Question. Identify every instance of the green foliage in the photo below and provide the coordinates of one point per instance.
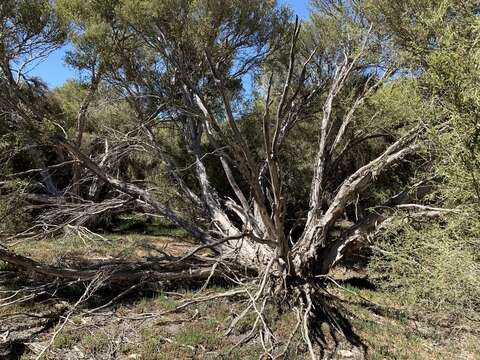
(28, 23)
(14, 215)
(435, 265)
(107, 111)
(453, 75)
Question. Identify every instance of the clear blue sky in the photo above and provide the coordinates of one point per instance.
(54, 71)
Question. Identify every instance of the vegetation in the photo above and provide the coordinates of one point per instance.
(227, 143)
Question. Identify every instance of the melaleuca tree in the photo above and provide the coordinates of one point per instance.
(29, 31)
(91, 42)
(186, 63)
(192, 74)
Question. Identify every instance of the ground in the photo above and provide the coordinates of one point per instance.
(147, 324)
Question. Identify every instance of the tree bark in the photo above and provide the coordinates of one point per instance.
(81, 124)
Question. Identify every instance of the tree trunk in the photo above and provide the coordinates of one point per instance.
(81, 125)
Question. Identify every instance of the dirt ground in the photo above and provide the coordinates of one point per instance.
(185, 321)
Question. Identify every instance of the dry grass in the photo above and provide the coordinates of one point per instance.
(128, 246)
(135, 328)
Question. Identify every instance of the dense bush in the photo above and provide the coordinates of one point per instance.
(435, 267)
(437, 264)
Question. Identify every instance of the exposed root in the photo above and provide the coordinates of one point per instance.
(312, 306)
(306, 317)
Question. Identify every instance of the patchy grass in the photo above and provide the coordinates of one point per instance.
(67, 249)
(96, 343)
(134, 237)
(139, 328)
(203, 334)
(159, 302)
(152, 346)
(68, 338)
(392, 331)
(198, 332)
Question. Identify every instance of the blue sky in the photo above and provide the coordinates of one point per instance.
(299, 6)
(54, 71)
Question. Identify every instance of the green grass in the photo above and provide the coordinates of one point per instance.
(388, 336)
(126, 246)
(95, 343)
(160, 302)
(165, 302)
(153, 347)
(155, 227)
(198, 335)
(67, 338)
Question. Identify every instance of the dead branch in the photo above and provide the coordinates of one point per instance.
(162, 269)
(90, 289)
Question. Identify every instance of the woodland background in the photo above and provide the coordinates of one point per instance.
(76, 162)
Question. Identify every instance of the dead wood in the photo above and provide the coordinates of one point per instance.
(120, 272)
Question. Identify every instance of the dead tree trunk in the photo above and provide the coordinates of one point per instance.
(249, 229)
(256, 232)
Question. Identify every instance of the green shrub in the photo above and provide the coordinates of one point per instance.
(14, 215)
(435, 267)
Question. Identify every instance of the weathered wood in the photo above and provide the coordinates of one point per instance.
(122, 272)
